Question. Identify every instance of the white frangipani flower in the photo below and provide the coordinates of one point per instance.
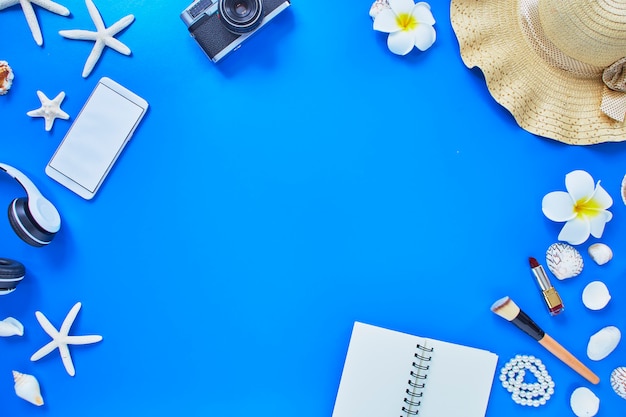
(408, 24)
(583, 207)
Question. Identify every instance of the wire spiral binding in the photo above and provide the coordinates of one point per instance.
(417, 381)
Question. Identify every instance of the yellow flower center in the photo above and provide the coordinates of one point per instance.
(406, 22)
(585, 208)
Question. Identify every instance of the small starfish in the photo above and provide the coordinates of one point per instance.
(61, 340)
(31, 17)
(50, 109)
(103, 36)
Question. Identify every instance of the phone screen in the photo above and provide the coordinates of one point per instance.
(96, 137)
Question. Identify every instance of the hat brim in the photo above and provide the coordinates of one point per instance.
(544, 100)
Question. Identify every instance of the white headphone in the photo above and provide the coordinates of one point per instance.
(33, 218)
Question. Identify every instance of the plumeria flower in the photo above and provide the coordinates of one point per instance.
(407, 24)
(583, 207)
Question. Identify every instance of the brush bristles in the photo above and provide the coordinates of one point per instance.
(505, 308)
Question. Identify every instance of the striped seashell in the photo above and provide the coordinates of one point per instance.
(618, 381)
(564, 260)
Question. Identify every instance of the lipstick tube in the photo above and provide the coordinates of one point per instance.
(550, 296)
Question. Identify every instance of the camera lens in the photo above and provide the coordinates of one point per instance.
(241, 16)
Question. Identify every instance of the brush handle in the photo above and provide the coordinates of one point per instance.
(570, 360)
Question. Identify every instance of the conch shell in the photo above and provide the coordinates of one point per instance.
(27, 388)
(11, 327)
(6, 77)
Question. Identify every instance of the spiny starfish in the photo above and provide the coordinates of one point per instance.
(103, 36)
(50, 109)
(31, 17)
(61, 339)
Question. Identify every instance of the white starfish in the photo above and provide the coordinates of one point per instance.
(31, 17)
(50, 109)
(61, 340)
(103, 36)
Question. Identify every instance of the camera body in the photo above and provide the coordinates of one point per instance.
(221, 26)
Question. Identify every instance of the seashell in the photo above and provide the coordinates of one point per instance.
(27, 388)
(584, 402)
(596, 295)
(600, 253)
(378, 6)
(603, 343)
(6, 77)
(618, 381)
(11, 327)
(564, 260)
(624, 189)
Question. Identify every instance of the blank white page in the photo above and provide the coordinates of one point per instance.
(377, 370)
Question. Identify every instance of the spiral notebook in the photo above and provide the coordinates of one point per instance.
(391, 374)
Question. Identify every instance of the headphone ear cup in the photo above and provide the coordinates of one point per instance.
(25, 225)
(11, 273)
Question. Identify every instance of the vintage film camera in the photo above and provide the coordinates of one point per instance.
(220, 26)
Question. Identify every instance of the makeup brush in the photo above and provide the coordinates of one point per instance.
(507, 309)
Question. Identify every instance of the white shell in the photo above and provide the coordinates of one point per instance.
(564, 260)
(596, 295)
(624, 189)
(6, 77)
(603, 343)
(618, 381)
(600, 253)
(27, 388)
(378, 6)
(584, 402)
(11, 327)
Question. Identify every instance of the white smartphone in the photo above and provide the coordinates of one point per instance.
(96, 138)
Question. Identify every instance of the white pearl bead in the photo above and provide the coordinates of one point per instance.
(524, 393)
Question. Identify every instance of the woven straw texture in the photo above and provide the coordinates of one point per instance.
(543, 97)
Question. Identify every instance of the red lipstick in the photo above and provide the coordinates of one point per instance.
(550, 296)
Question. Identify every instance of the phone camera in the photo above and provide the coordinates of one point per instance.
(241, 16)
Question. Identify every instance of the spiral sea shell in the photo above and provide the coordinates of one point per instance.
(618, 381)
(564, 260)
(27, 388)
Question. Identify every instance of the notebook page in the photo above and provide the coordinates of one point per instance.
(375, 373)
(459, 381)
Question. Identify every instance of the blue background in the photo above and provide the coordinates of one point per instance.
(264, 204)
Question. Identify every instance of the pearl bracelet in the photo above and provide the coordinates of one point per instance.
(531, 394)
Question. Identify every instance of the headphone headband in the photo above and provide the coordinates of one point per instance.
(24, 181)
(44, 215)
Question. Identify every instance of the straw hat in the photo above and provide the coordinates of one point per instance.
(559, 66)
